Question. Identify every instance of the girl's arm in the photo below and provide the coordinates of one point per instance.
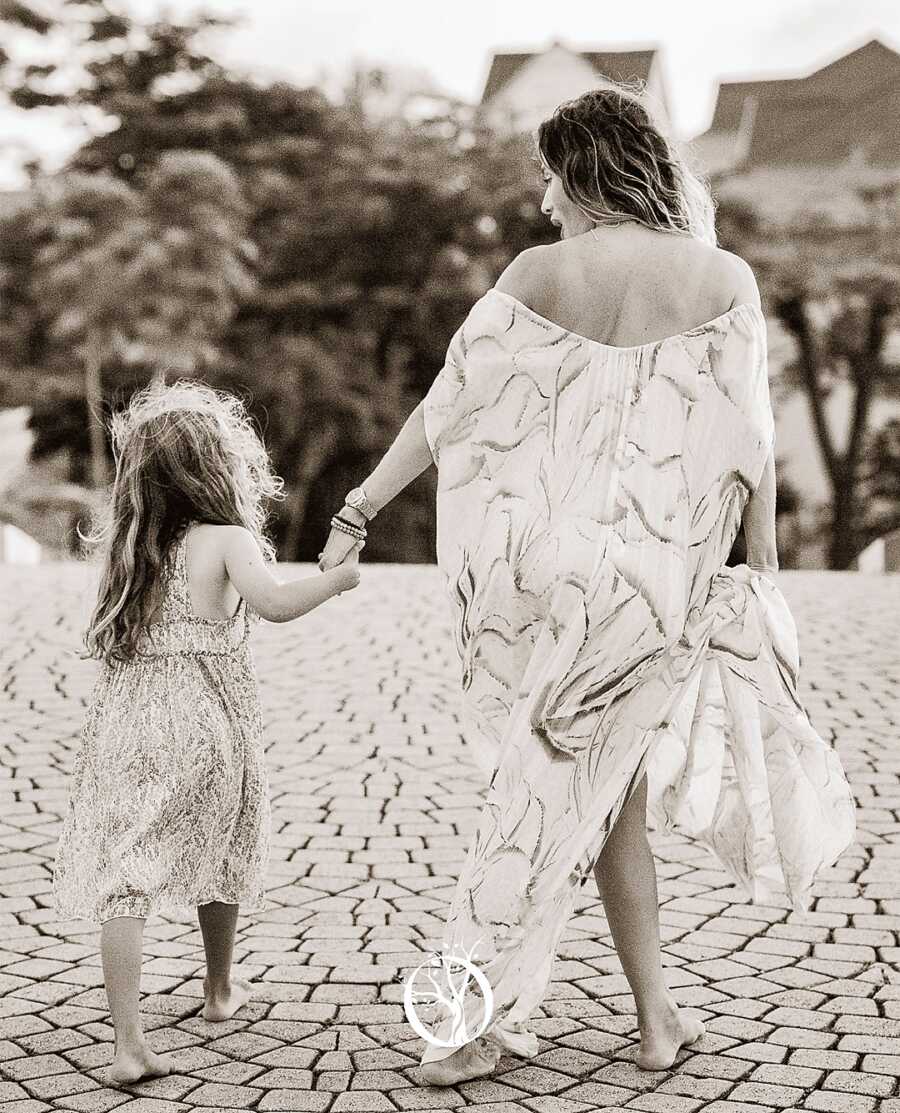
(275, 601)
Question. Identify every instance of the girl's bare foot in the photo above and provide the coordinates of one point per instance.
(665, 1036)
(135, 1063)
(223, 1006)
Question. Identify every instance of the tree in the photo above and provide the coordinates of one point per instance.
(109, 58)
(139, 277)
(881, 481)
(827, 251)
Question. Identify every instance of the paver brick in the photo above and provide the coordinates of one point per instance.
(826, 1060)
(704, 1089)
(665, 1103)
(759, 1052)
(788, 1075)
(56, 1086)
(799, 1018)
(803, 1037)
(726, 1106)
(764, 1093)
(36, 1066)
(825, 1102)
(598, 1095)
(857, 1082)
(875, 1045)
(303, 1101)
(716, 1066)
(95, 1101)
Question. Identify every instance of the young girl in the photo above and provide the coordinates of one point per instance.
(169, 801)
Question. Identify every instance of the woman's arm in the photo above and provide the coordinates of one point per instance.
(403, 462)
(759, 522)
(278, 602)
(759, 512)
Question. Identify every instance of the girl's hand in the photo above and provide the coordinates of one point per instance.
(339, 547)
(348, 574)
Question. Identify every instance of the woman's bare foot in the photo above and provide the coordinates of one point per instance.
(132, 1064)
(473, 1060)
(223, 1006)
(665, 1036)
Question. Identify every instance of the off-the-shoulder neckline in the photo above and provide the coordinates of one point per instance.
(742, 307)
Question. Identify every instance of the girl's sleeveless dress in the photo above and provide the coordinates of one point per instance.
(169, 802)
(588, 498)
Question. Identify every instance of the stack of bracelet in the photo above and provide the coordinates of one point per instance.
(346, 526)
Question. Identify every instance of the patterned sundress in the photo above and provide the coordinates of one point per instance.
(588, 498)
(169, 804)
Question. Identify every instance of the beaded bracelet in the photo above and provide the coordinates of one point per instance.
(353, 531)
(341, 518)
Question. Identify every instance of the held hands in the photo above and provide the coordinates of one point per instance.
(341, 552)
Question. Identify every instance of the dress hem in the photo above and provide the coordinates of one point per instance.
(180, 909)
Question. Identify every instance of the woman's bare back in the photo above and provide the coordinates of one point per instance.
(629, 285)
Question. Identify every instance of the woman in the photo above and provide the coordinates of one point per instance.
(598, 450)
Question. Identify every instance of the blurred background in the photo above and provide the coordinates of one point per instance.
(301, 202)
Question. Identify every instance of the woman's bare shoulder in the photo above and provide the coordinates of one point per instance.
(531, 275)
(739, 277)
(536, 275)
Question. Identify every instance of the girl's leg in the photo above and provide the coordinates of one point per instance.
(626, 879)
(224, 995)
(121, 942)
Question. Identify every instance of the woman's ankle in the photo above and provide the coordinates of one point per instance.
(216, 988)
(129, 1042)
(660, 1008)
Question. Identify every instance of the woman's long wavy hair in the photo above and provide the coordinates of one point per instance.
(184, 453)
(615, 163)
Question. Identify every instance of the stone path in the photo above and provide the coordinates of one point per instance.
(374, 800)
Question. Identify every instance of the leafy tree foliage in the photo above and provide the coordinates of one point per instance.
(371, 236)
(827, 250)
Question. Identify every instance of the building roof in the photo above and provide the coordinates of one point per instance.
(619, 65)
(852, 102)
(829, 129)
(733, 94)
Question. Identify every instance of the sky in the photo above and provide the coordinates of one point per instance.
(305, 41)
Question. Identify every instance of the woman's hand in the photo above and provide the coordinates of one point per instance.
(339, 547)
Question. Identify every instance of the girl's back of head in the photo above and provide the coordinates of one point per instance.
(184, 453)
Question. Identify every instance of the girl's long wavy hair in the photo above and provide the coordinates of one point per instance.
(615, 163)
(184, 453)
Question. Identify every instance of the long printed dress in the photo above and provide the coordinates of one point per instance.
(588, 498)
(168, 804)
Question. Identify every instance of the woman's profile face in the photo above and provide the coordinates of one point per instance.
(563, 213)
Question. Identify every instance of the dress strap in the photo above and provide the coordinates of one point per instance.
(178, 582)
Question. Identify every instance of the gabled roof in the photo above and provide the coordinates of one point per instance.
(851, 103)
(829, 129)
(733, 94)
(619, 65)
(866, 67)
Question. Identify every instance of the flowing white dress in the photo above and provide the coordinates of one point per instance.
(588, 498)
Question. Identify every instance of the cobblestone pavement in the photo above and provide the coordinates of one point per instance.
(374, 801)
